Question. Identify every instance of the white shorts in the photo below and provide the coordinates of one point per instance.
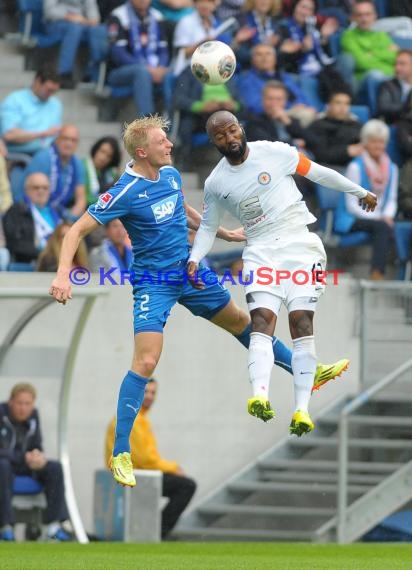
(291, 267)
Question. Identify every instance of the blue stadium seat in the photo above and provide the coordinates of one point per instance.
(362, 112)
(26, 485)
(381, 8)
(328, 201)
(31, 24)
(20, 266)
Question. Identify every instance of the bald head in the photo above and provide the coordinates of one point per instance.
(228, 136)
(37, 188)
(220, 119)
(67, 141)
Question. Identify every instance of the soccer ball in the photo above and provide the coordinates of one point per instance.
(213, 63)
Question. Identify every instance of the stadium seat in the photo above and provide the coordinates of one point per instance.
(31, 25)
(403, 242)
(328, 201)
(361, 112)
(20, 266)
(381, 8)
(28, 504)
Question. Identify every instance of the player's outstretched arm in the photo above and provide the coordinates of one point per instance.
(332, 179)
(60, 288)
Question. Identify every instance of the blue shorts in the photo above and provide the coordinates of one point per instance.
(154, 298)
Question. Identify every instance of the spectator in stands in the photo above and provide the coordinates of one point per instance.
(194, 29)
(173, 10)
(404, 129)
(375, 172)
(139, 54)
(373, 53)
(49, 258)
(29, 224)
(305, 50)
(115, 250)
(101, 168)
(73, 22)
(403, 223)
(334, 138)
(275, 124)
(250, 83)
(21, 453)
(196, 102)
(177, 487)
(259, 23)
(65, 172)
(5, 203)
(31, 118)
(399, 8)
(393, 93)
(6, 199)
(303, 47)
(229, 9)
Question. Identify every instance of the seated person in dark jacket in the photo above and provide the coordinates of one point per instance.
(404, 130)
(275, 124)
(393, 93)
(399, 8)
(196, 102)
(27, 225)
(334, 139)
(21, 453)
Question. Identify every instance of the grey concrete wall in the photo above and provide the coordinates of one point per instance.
(200, 417)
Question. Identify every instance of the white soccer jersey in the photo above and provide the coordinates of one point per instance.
(260, 192)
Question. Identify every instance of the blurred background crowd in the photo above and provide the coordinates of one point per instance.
(331, 77)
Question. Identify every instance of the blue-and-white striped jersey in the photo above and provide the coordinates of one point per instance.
(152, 211)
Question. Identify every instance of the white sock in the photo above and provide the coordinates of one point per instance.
(304, 368)
(260, 363)
(52, 528)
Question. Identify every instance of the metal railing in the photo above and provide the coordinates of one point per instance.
(343, 443)
(366, 288)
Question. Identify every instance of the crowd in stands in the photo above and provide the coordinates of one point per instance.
(311, 73)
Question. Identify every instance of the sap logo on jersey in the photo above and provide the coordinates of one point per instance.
(164, 209)
(104, 199)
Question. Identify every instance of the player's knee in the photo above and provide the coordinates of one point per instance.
(144, 365)
(301, 324)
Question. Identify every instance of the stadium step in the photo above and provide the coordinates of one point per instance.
(371, 420)
(368, 443)
(310, 477)
(326, 465)
(244, 487)
(214, 510)
(215, 533)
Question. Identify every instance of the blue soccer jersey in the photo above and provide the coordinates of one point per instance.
(153, 213)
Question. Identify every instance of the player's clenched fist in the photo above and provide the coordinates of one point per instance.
(369, 202)
(61, 290)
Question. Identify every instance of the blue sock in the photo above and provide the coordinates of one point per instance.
(282, 354)
(131, 396)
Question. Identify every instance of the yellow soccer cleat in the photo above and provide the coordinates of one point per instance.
(122, 469)
(326, 372)
(260, 408)
(301, 423)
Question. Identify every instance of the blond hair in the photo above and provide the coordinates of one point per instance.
(23, 387)
(135, 133)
